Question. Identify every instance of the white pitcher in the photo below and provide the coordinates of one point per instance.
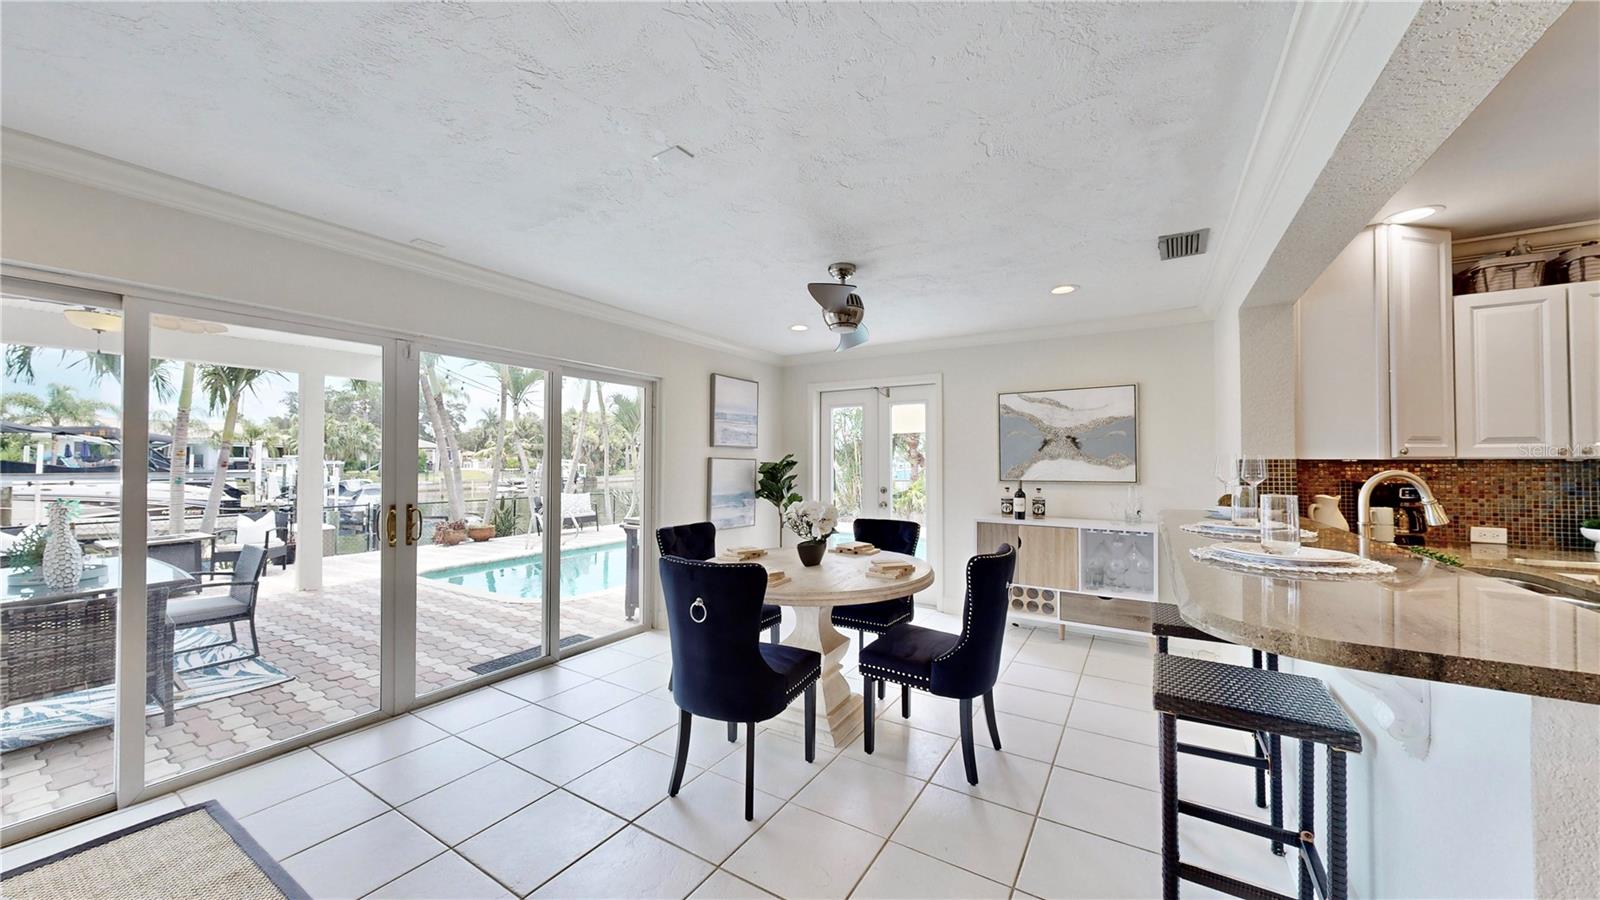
(63, 558)
(1325, 510)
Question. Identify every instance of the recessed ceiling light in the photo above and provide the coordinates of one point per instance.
(1063, 289)
(1407, 216)
(798, 327)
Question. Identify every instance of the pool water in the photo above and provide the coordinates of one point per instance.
(584, 570)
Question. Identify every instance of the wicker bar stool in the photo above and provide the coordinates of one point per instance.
(1255, 700)
(1267, 761)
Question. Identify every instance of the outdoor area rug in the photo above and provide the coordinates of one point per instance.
(37, 721)
(199, 851)
(534, 652)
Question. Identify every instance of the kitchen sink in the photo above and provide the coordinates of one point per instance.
(1538, 585)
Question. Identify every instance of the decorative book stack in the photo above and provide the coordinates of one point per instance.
(741, 554)
(855, 548)
(891, 570)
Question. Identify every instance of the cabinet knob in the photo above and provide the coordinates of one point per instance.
(1404, 450)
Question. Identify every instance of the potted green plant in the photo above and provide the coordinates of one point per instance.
(450, 533)
(505, 520)
(479, 530)
(775, 484)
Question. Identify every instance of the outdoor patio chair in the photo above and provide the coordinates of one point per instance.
(252, 531)
(579, 510)
(230, 607)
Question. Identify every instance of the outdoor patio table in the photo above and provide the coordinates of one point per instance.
(811, 593)
(27, 602)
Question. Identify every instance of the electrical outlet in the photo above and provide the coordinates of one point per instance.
(1484, 535)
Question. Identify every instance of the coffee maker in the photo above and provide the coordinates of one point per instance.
(1410, 524)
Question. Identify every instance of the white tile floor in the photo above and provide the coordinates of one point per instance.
(554, 784)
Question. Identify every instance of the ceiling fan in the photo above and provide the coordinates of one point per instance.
(842, 310)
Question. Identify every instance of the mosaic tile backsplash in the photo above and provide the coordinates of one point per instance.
(1538, 502)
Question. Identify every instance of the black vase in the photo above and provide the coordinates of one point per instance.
(811, 552)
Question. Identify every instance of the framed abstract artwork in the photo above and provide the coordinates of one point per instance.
(735, 416)
(1072, 434)
(731, 493)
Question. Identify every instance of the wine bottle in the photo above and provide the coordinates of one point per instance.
(1019, 503)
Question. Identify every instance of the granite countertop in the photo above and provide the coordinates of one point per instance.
(1426, 620)
(1577, 575)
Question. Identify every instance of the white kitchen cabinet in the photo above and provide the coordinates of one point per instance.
(1421, 352)
(1375, 350)
(1583, 354)
(1511, 374)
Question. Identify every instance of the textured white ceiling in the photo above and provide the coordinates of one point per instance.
(1529, 155)
(967, 156)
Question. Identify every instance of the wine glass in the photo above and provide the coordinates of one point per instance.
(1253, 470)
(1225, 470)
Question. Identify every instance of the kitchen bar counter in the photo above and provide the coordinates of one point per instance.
(1575, 573)
(1426, 621)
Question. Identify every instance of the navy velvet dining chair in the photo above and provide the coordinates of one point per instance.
(721, 670)
(895, 536)
(698, 540)
(959, 666)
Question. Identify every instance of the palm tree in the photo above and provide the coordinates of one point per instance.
(578, 434)
(629, 420)
(444, 438)
(496, 462)
(521, 385)
(605, 452)
(224, 386)
(178, 454)
(59, 406)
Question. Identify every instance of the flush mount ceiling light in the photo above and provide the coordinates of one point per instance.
(96, 320)
(1063, 289)
(799, 327)
(187, 326)
(1407, 216)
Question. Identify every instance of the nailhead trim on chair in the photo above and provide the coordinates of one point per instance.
(966, 607)
(890, 674)
(862, 625)
(809, 681)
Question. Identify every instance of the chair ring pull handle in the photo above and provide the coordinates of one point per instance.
(697, 604)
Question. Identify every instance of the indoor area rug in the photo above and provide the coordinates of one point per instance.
(218, 675)
(198, 851)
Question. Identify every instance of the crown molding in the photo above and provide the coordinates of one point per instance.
(74, 164)
(1169, 318)
(1325, 40)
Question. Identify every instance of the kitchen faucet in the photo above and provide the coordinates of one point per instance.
(1432, 511)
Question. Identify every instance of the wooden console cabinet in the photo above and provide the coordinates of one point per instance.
(1079, 571)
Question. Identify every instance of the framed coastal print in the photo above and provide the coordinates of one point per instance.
(1073, 434)
(731, 493)
(735, 416)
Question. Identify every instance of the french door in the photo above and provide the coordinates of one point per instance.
(317, 529)
(876, 455)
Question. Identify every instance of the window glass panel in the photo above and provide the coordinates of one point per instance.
(264, 449)
(602, 506)
(908, 465)
(480, 464)
(60, 456)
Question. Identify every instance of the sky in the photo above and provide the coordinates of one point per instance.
(270, 397)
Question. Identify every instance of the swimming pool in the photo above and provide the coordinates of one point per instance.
(584, 570)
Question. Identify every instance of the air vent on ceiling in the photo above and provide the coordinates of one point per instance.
(1188, 243)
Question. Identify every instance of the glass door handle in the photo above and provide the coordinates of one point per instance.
(391, 525)
(413, 524)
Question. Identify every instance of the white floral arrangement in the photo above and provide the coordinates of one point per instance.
(812, 520)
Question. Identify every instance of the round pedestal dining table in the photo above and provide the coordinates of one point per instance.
(811, 593)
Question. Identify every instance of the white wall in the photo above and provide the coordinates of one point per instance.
(70, 227)
(1172, 367)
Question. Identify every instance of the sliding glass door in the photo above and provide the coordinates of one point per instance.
(317, 529)
(60, 461)
(603, 500)
(524, 527)
(479, 525)
(265, 496)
